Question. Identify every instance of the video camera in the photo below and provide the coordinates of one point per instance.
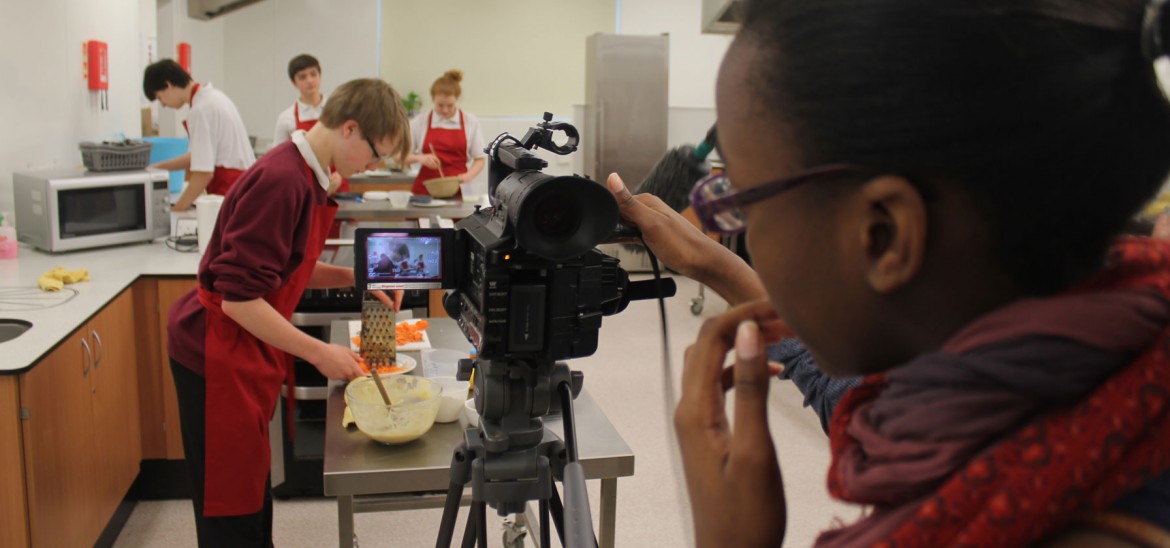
(528, 289)
(528, 283)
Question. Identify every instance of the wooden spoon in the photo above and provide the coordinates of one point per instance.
(378, 383)
(440, 161)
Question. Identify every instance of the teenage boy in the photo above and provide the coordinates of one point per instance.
(229, 339)
(305, 73)
(219, 150)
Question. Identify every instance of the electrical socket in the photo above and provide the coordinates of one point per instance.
(186, 227)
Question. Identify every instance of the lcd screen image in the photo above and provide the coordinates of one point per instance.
(392, 257)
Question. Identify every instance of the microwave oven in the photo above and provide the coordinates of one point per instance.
(70, 209)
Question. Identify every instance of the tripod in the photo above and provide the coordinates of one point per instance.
(511, 458)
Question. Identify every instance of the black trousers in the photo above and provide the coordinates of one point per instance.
(251, 530)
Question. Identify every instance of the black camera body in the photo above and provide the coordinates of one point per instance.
(527, 283)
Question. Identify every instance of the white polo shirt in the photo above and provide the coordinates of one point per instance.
(475, 144)
(286, 122)
(302, 143)
(217, 133)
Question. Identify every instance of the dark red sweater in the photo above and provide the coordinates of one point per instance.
(259, 241)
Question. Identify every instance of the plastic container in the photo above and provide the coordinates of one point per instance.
(441, 362)
(121, 156)
(8, 244)
(451, 402)
(414, 402)
(166, 148)
(206, 212)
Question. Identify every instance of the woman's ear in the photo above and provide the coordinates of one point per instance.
(893, 233)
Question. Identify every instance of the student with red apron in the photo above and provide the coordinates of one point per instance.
(219, 150)
(304, 72)
(446, 137)
(229, 340)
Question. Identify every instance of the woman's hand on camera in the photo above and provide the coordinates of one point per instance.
(337, 363)
(681, 246)
(677, 243)
(732, 473)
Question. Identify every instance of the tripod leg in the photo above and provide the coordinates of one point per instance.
(469, 531)
(480, 509)
(450, 514)
(558, 513)
(545, 535)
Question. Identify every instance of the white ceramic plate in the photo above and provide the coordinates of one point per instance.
(355, 329)
(406, 362)
(434, 203)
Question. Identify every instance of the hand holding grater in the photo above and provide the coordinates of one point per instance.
(379, 333)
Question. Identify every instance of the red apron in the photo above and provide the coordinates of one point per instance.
(306, 125)
(244, 376)
(223, 177)
(450, 146)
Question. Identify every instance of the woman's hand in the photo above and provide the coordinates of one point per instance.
(337, 363)
(464, 177)
(394, 300)
(430, 160)
(684, 248)
(733, 477)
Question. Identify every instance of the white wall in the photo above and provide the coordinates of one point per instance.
(694, 57)
(46, 107)
(260, 40)
(207, 48)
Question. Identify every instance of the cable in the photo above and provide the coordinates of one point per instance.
(183, 244)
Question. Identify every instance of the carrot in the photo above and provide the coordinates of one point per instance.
(357, 340)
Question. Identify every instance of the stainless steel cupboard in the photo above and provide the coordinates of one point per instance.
(626, 96)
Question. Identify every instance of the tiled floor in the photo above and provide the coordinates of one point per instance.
(625, 377)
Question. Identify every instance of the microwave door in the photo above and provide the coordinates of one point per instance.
(101, 210)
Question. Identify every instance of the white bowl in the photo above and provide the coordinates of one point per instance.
(452, 398)
(370, 195)
(471, 413)
(399, 198)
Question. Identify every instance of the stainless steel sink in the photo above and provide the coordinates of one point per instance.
(11, 329)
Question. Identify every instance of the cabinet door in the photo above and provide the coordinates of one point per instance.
(60, 475)
(114, 382)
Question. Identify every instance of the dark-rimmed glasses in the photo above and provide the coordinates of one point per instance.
(720, 207)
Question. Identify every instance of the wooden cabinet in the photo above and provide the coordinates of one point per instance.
(13, 504)
(159, 406)
(59, 466)
(80, 429)
(114, 383)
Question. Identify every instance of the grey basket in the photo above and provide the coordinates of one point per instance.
(125, 156)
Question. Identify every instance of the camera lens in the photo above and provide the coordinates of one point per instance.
(557, 216)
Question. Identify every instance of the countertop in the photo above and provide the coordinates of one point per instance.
(111, 270)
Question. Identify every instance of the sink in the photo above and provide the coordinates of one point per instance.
(11, 329)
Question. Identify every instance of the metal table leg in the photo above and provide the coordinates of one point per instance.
(608, 512)
(345, 534)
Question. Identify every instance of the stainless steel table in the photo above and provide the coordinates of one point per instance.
(381, 209)
(367, 476)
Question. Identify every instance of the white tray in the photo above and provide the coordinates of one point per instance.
(355, 329)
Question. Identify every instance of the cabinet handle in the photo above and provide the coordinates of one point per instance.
(89, 357)
(101, 349)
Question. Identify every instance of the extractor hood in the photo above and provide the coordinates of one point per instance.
(722, 16)
(205, 10)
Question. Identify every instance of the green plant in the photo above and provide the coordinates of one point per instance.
(412, 102)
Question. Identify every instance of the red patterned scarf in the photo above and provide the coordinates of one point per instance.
(1032, 414)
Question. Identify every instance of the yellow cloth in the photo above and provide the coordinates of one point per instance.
(1157, 207)
(55, 279)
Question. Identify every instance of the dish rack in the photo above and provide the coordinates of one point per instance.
(115, 156)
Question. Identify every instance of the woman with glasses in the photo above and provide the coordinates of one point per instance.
(933, 194)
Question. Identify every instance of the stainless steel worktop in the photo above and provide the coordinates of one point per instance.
(356, 465)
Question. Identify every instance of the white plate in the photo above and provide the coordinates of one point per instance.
(355, 329)
(434, 203)
(404, 361)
